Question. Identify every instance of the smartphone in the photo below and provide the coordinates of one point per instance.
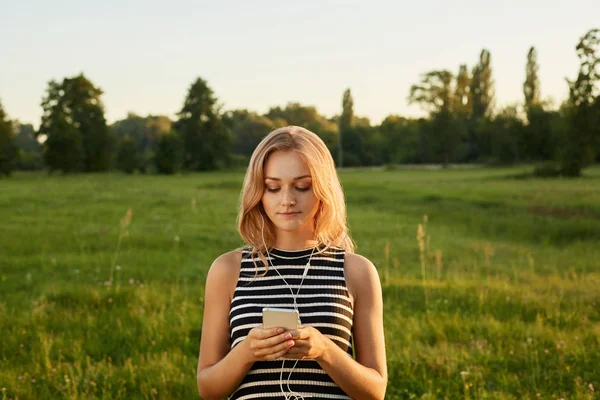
(281, 318)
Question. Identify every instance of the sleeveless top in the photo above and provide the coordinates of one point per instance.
(323, 302)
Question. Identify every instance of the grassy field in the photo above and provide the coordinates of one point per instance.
(498, 298)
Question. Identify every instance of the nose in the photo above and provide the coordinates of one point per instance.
(287, 199)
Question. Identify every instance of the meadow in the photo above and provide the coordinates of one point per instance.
(491, 280)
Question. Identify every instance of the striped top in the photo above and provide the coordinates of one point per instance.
(323, 302)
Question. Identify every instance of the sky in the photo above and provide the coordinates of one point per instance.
(254, 55)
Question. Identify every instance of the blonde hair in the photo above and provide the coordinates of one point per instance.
(330, 219)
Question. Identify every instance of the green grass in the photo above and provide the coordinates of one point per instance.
(510, 311)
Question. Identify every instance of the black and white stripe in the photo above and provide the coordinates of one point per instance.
(323, 302)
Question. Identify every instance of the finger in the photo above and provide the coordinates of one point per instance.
(274, 356)
(298, 349)
(301, 333)
(272, 341)
(268, 352)
(260, 333)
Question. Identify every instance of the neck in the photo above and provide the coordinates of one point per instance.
(295, 240)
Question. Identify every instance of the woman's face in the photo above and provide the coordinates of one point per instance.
(289, 199)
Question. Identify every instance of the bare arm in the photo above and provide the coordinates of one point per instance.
(220, 370)
(365, 377)
(215, 357)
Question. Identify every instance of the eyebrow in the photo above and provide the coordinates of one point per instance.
(296, 178)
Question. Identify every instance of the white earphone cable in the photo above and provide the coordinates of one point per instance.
(291, 395)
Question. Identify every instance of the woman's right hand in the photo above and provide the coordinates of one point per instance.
(267, 344)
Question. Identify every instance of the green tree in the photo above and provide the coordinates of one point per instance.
(308, 117)
(205, 138)
(30, 150)
(345, 122)
(537, 141)
(531, 86)
(498, 137)
(295, 114)
(584, 131)
(248, 129)
(8, 148)
(596, 114)
(482, 96)
(434, 93)
(169, 153)
(73, 120)
(145, 133)
(63, 147)
(401, 139)
(354, 143)
(127, 156)
(462, 93)
(375, 151)
(482, 92)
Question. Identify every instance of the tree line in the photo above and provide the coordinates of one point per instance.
(462, 126)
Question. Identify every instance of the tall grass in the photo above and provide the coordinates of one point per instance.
(101, 281)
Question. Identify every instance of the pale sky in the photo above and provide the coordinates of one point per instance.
(258, 54)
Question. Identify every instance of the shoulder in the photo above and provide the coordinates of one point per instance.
(360, 266)
(225, 269)
(361, 275)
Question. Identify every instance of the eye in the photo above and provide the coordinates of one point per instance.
(303, 189)
(272, 190)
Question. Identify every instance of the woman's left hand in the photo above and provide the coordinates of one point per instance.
(309, 344)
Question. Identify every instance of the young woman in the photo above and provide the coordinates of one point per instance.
(299, 256)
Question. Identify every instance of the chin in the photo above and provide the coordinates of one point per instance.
(290, 226)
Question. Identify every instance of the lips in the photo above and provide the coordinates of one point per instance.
(290, 213)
